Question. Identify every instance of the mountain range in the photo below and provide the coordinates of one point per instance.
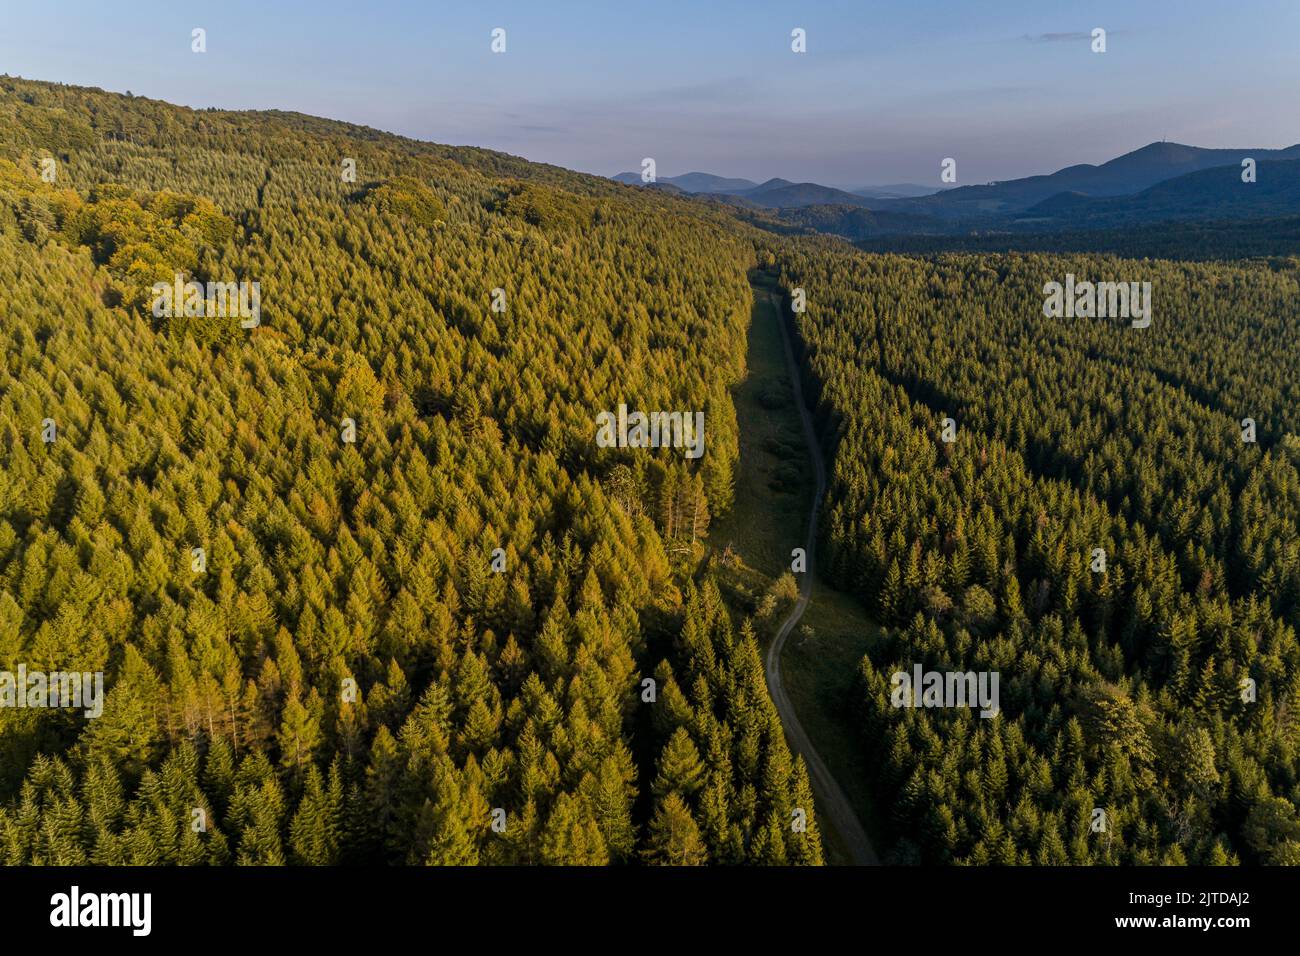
(777, 193)
(1124, 175)
(1158, 182)
(1215, 193)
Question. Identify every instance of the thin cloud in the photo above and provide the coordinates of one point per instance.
(1071, 37)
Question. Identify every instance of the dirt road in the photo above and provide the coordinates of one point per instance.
(834, 804)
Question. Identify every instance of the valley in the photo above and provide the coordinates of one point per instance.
(767, 522)
(450, 607)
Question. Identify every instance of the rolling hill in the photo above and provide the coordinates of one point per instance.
(416, 553)
(1047, 201)
(772, 194)
(1123, 175)
(694, 182)
(1216, 193)
(783, 194)
(897, 191)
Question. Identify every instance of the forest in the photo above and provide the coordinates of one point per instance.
(431, 621)
(365, 588)
(1101, 529)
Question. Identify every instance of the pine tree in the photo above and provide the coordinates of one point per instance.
(674, 838)
(680, 768)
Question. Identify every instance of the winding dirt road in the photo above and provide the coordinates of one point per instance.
(834, 803)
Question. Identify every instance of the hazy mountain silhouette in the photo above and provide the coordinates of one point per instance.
(897, 191)
(694, 182)
(1159, 182)
(783, 194)
(773, 194)
(1123, 175)
(1216, 193)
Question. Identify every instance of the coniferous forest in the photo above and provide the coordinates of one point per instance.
(365, 589)
(394, 640)
(1097, 526)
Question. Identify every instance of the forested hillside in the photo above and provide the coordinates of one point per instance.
(1159, 684)
(365, 587)
(361, 582)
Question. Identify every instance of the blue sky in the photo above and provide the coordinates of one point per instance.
(884, 93)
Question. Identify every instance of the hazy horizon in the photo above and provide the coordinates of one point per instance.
(1011, 92)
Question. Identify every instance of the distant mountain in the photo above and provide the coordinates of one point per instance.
(773, 194)
(897, 191)
(1209, 194)
(694, 182)
(783, 194)
(1123, 175)
(1159, 182)
(770, 186)
(708, 183)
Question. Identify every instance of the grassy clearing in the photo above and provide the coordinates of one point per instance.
(820, 676)
(774, 484)
(774, 479)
